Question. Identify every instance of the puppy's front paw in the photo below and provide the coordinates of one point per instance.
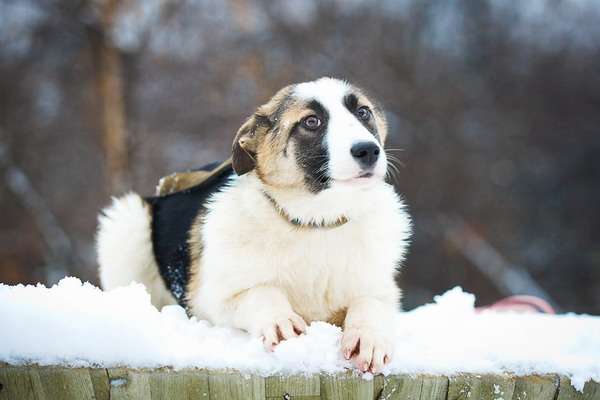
(281, 328)
(371, 349)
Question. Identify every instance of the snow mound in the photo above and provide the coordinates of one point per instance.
(77, 324)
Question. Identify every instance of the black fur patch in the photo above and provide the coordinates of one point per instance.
(172, 219)
(311, 153)
(351, 103)
(208, 167)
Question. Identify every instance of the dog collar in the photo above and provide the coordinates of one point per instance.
(298, 224)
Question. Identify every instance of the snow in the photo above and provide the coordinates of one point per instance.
(77, 324)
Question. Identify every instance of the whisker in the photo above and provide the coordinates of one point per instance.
(395, 159)
(394, 167)
(391, 175)
(322, 169)
(393, 170)
(313, 157)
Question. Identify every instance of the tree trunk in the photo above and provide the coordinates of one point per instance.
(111, 100)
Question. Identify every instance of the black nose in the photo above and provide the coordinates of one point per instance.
(366, 153)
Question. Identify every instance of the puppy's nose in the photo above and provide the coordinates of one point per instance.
(365, 153)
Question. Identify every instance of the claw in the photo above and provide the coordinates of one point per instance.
(282, 329)
(369, 349)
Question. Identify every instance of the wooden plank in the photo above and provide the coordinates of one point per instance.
(128, 384)
(484, 387)
(62, 383)
(346, 387)
(535, 387)
(167, 384)
(401, 387)
(434, 387)
(226, 385)
(42, 383)
(297, 387)
(415, 387)
(591, 390)
(15, 383)
(100, 383)
(378, 381)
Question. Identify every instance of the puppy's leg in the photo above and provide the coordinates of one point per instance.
(265, 311)
(369, 333)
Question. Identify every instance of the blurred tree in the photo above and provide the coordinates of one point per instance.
(110, 90)
(496, 106)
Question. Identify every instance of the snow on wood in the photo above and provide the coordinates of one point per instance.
(78, 325)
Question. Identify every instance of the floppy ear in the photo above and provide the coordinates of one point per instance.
(243, 151)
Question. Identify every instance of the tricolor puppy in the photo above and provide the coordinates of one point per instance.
(298, 226)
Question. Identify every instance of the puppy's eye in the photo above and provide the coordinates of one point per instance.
(363, 113)
(312, 122)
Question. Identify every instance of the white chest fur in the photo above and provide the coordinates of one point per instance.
(247, 244)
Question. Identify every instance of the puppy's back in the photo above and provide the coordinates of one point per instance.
(173, 217)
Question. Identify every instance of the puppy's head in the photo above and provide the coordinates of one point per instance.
(314, 135)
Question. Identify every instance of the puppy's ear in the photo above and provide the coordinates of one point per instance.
(243, 151)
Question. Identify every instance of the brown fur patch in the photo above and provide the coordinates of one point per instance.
(274, 156)
(196, 246)
(243, 150)
(251, 133)
(338, 317)
(262, 141)
(179, 181)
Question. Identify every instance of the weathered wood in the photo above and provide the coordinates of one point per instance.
(15, 383)
(100, 382)
(128, 384)
(535, 387)
(293, 387)
(378, 381)
(566, 391)
(58, 383)
(61, 383)
(484, 387)
(346, 387)
(225, 385)
(166, 384)
(414, 387)
(434, 387)
(396, 387)
(42, 383)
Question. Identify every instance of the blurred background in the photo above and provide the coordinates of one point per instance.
(495, 105)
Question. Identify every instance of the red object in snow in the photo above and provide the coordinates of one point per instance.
(523, 304)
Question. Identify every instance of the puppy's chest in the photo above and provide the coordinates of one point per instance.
(334, 249)
(321, 270)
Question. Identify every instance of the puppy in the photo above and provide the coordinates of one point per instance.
(298, 226)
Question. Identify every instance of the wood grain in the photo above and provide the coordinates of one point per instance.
(62, 383)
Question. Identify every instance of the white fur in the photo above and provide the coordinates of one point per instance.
(343, 129)
(124, 247)
(258, 269)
